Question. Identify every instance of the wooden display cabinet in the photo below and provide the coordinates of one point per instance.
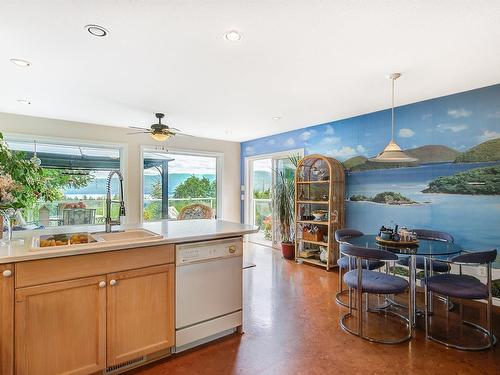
(319, 189)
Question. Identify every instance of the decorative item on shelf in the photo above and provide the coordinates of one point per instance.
(312, 233)
(308, 253)
(324, 197)
(318, 215)
(323, 254)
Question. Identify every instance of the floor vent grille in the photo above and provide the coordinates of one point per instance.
(125, 365)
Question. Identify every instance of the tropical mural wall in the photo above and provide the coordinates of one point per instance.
(454, 186)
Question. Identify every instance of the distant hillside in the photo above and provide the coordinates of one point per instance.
(424, 154)
(98, 186)
(486, 151)
(433, 154)
(354, 162)
(484, 181)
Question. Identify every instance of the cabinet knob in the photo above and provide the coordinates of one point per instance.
(102, 284)
(232, 249)
(112, 282)
(7, 273)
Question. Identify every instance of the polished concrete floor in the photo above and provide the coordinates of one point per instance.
(292, 327)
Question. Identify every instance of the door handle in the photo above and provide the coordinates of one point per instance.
(112, 282)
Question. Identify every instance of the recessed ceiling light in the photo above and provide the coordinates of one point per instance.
(276, 118)
(97, 30)
(20, 62)
(23, 101)
(232, 36)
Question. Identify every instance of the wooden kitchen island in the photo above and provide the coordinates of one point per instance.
(101, 307)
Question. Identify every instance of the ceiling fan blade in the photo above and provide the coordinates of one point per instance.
(182, 134)
(177, 130)
(136, 127)
(139, 133)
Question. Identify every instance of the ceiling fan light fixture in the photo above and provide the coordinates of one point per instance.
(160, 136)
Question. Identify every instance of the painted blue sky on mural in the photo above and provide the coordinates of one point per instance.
(459, 121)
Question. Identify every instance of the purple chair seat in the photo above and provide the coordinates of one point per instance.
(376, 282)
(372, 264)
(437, 266)
(458, 286)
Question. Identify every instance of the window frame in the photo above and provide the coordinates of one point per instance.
(219, 170)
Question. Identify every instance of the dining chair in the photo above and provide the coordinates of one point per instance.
(426, 234)
(343, 262)
(366, 281)
(435, 265)
(464, 287)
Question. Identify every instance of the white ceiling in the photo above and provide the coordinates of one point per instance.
(308, 61)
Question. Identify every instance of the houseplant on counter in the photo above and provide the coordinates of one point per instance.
(22, 183)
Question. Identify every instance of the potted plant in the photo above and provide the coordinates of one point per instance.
(284, 196)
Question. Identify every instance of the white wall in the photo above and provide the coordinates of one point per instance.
(43, 127)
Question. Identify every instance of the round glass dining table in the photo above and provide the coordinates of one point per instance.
(433, 249)
(429, 248)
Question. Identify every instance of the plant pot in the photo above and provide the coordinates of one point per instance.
(288, 250)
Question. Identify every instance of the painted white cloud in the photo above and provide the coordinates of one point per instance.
(329, 130)
(488, 134)
(271, 142)
(250, 150)
(361, 149)
(459, 113)
(342, 153)
(455, 128)
(290, 142)
(305, 136)
(494, 115)
(406, 133)
(330, 140)
(426, 116)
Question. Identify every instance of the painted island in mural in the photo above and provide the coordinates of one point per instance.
(455, 184)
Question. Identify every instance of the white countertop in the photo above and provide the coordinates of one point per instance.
(170, 231)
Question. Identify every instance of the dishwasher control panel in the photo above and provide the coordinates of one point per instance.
(204, 251)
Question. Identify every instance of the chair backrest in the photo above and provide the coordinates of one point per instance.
(366, 252)
(341, 234)
(427, 234)
(195, 211)
(476, 257)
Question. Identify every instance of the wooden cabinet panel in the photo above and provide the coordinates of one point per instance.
(51, 270)
(61, 328)
(6, 319)
(140, 313)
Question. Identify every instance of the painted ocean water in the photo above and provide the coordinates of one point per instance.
(474, 220)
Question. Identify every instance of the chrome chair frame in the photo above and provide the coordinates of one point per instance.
(487, 332)
(383, 311)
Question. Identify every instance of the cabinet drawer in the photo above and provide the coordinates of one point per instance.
(44, 271)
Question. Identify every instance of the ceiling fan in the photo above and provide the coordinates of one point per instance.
(159, 132)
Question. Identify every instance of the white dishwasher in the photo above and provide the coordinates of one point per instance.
(209, 295)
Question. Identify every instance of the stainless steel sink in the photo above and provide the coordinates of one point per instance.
(127, 235)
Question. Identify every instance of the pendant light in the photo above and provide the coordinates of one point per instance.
(392, 153)
(35, 159)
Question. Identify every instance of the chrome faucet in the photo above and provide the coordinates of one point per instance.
(110, 222)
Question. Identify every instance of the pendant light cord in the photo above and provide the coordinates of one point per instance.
(392, 110)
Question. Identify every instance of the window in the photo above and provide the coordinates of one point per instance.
(172, 181)
(79, 174)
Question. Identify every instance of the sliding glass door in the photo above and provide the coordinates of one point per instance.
(261, 176)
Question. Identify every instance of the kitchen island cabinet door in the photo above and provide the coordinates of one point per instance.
(6, 319)
(61, 327)
(140, 313)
